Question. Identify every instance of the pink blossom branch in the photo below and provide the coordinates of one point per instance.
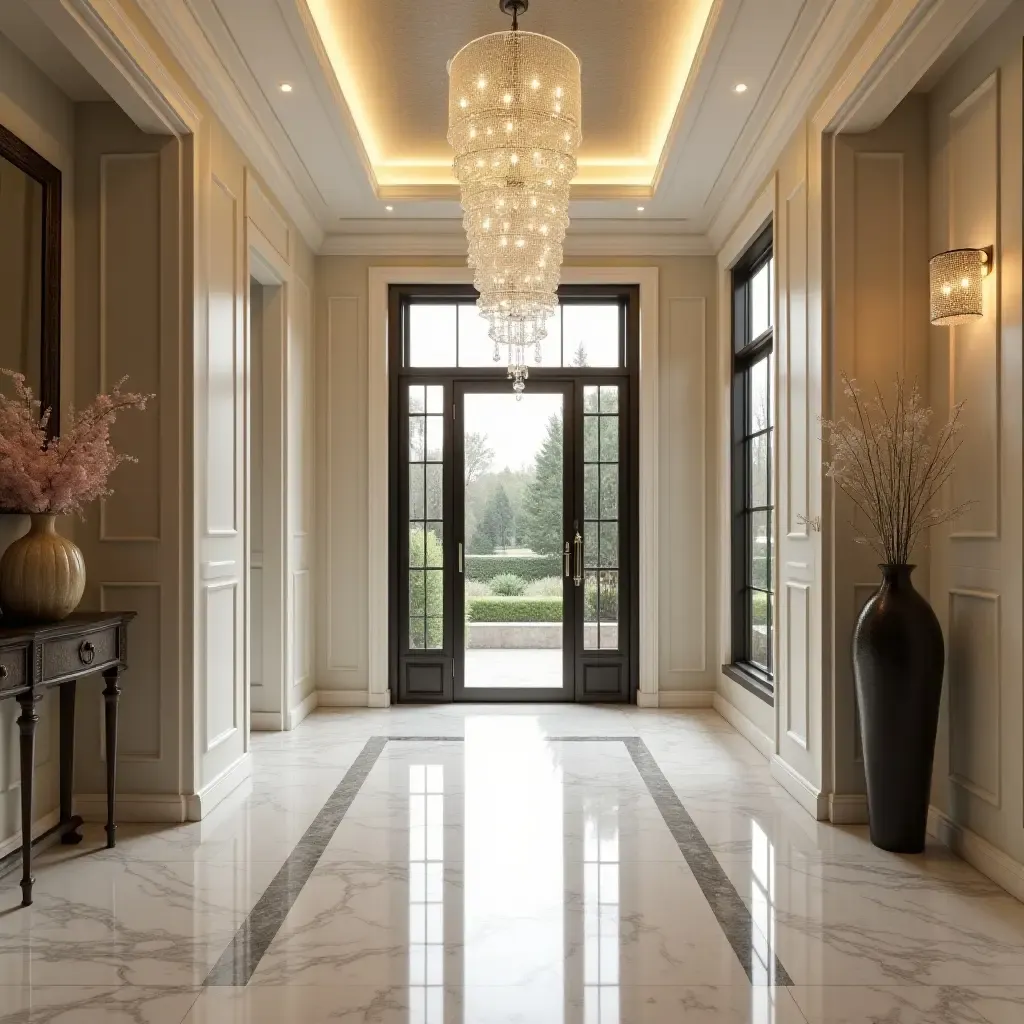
(62, 474)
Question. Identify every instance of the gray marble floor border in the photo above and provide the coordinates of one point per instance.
(239, 961)
(732, 914)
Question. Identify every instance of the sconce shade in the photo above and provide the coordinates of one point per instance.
(955, 278)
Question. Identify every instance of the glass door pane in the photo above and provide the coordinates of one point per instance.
(601, 517)
(422, 609)
(426, 517)
(514, 508)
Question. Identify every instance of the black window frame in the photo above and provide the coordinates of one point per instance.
(747, 352)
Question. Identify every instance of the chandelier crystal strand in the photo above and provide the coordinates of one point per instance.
(514, 113)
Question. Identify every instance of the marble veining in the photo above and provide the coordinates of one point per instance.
(507, 865)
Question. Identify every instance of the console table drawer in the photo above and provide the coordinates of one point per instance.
(13, 668)
(79, 654)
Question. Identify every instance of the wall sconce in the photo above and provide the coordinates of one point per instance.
(956, 278)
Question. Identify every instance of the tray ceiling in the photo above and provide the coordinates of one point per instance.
(360, 133)
(390, 60)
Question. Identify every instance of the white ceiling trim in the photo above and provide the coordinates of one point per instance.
(908, 41)
(701, 70)
(104, 41)
(314, 55)
(842, 22)
(447, 238)
(180, 29)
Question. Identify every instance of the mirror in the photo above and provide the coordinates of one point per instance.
(30, 269)
(21, 273)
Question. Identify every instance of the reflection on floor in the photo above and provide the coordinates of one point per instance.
(522, 669)
(545, 865)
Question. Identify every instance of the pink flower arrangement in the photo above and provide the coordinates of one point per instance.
(59, 474)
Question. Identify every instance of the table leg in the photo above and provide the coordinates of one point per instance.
(27, 727)
(111, 692)
(70, 823)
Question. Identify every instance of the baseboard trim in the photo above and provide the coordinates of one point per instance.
(342, 698)
(265, 721)
(39, 827)
(848, 808)
(811, 799)
(684, 698)
(303, 708)
(162, 808)
(379, 700)
(198, 805)
(978, 852)
(760, 741)
(645, 699)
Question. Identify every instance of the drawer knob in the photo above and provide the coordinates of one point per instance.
(3, 671)
(86, 653)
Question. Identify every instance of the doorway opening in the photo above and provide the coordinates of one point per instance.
(513, 555)
(266, 555)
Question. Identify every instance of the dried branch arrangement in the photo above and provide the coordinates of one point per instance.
(885, 461)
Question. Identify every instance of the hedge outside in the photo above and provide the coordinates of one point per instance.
(514, 609)
(483, 568)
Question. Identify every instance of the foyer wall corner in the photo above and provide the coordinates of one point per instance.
(37, 112)
(976, 563)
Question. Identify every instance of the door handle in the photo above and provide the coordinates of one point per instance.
(567, 559)
(460, 556)
(578, 545)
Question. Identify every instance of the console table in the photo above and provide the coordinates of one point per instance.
(35, 658)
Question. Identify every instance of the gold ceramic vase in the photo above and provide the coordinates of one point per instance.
(42, 575)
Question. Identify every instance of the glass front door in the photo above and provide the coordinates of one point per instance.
(514, 591)
(513, 520)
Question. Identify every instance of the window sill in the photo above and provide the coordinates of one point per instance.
(750, 678)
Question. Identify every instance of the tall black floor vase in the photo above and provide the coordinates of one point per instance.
(898, 659)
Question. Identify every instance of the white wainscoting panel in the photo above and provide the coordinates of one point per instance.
(684, 576)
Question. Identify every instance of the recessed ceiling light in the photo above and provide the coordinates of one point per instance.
(640, 209)
(389, 208)
(740, 87)
(285, 87)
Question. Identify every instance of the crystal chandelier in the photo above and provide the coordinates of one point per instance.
(514, 105)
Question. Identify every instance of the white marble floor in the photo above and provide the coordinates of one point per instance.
(505, 875)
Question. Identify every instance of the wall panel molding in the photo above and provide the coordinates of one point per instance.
(975, 687)
(798, 631)
(129, 296)
(221, 505)
(684, 377)
(140, 733)
(797, 408)
(974, 375)
(345, 612)
(220, 656)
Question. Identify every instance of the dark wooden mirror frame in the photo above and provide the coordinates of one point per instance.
(26, 159)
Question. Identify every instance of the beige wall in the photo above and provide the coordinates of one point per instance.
(39, 114)
(163, 265)
(687, 326)
(880, 330)
(976, 578)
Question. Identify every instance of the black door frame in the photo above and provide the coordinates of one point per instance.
(442, 662)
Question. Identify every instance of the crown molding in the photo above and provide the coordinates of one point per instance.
(901, 48)
(104, 40)
(594, 238)
(754, 164)
(181, 30)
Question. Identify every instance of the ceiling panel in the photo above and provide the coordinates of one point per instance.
(391, 58)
